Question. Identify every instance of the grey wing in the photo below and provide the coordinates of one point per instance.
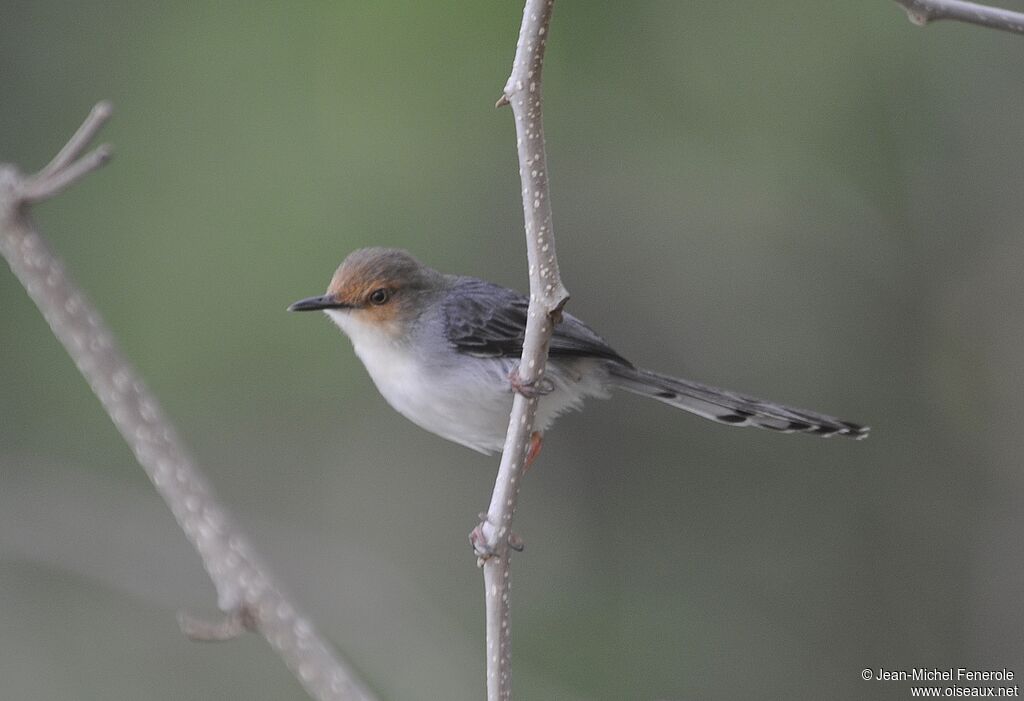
(489, 321)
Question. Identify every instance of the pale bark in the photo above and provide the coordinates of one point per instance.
(924, 11)
(547, 297)
(248, 595)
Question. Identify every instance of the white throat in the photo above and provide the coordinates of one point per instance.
(393, 368)
(367, 338)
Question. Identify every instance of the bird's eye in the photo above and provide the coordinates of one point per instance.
(379, 296)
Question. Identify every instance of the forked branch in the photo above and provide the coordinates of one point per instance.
(547, 297)
(924, 11)
(247, 593)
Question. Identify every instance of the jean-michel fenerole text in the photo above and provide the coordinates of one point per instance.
(923, 674)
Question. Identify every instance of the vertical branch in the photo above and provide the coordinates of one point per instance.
(924, 11)
(547, 297)
(246, 591)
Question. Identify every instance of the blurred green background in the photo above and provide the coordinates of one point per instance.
(813, 202)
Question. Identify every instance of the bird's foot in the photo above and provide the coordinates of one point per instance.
(530, 390)
(485, 552)
(478, 540)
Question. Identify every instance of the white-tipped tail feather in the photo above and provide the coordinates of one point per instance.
(729, 407)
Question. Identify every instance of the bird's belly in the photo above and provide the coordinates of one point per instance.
(468, 404)
(467, 401)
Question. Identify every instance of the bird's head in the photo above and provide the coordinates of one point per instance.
(376, 288)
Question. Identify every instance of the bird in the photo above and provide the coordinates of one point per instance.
(443, 351)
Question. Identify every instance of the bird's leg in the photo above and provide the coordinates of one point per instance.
(476, 537)
(536, 443)
(530, 390)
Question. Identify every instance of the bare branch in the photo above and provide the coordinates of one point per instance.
(43, 187)
(81, 139)
(922, 12)
(247, 593)
(228, 627)
(547, 297)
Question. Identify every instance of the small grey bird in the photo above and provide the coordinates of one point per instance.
(442, 349)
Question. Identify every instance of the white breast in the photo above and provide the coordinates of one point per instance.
(398, 373)
(463, 399)
(455, 405)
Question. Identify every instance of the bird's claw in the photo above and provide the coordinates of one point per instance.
(530, 390)
(483, 550)
(478, 540)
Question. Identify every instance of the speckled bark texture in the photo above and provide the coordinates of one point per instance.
(924, 11)
(246, 592)
(547, 297)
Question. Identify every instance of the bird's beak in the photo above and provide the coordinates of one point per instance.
(311, 304)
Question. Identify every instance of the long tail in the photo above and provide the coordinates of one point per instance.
(730, 407)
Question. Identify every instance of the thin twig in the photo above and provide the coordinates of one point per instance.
(43, 187)
(922, 12)
(80, 140)
(247, 593)
(547, 297)
(229, 627)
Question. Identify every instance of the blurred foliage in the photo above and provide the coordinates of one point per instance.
(814, 202)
